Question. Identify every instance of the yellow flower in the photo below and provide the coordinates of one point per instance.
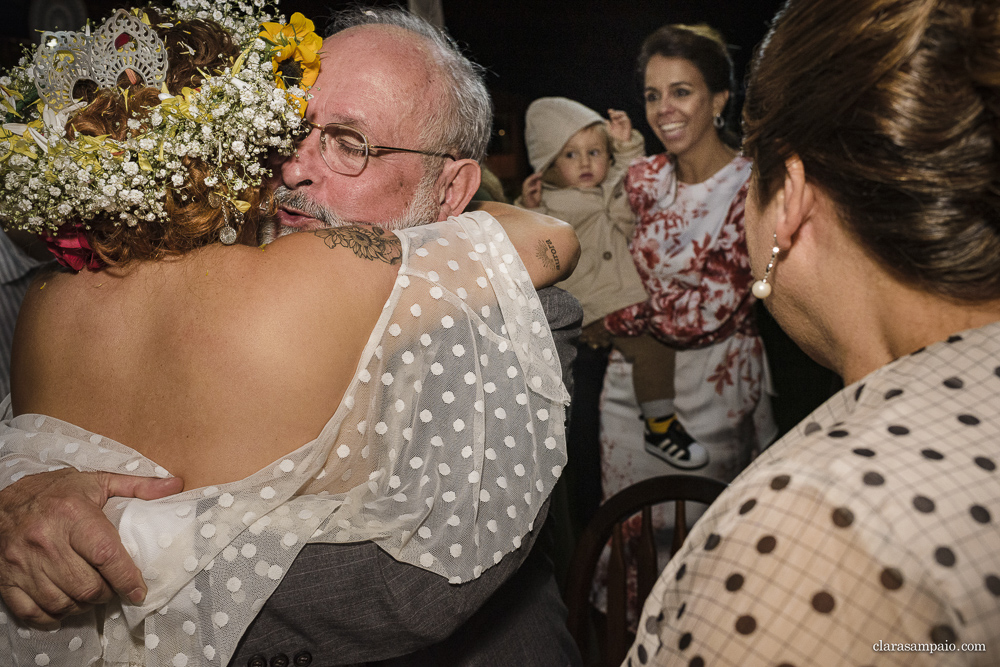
(296, 51)
(179, 103)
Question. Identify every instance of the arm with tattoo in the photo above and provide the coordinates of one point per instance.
(548, 247)
(371, 243)
(546, 253)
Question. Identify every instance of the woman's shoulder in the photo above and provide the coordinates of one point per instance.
(334, 253)
(649, 180)
(738, 169)
(650, 165)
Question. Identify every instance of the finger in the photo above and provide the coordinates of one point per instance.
(60, 601)
(76, 579)
(146, 488)
(22, 606)
(100, 545)
(50, 568)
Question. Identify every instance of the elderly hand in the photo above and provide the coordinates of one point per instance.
(59, 554)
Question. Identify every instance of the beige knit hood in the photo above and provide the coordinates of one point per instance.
(548, 125)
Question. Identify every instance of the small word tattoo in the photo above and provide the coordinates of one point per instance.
(545, 251)
(371, 243)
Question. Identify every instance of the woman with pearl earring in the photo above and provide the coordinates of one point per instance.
(869, 533)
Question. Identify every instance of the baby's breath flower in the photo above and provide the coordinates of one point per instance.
(230, 123)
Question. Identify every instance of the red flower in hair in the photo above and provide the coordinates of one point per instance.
(69, 245)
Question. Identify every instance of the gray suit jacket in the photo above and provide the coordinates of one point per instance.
(356, 605)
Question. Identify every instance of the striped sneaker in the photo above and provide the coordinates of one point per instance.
(673, 444)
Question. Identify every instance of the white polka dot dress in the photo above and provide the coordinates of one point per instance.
(874, 525)
(448, 440)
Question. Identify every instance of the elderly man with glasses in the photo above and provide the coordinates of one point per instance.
(398, 121)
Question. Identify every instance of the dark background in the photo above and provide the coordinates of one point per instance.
(583, 49)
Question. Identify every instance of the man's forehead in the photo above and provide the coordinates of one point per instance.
(372, 77)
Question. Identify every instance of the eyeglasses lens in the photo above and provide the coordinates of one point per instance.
(344, 149)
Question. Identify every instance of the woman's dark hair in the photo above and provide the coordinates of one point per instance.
(194, 47)
(892, 108)
(706, 49)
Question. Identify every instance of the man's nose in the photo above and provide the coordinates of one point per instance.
(305, 165)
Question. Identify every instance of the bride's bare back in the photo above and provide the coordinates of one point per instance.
(213, 364)
(218, 362)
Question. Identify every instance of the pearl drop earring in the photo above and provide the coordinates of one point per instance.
(762, 289)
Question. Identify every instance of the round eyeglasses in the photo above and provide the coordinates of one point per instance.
(345, 149)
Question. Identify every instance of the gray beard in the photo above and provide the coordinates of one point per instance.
(423, 208)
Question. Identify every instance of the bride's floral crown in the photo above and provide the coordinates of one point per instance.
(50, 177)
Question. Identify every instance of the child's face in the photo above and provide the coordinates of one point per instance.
(583, 162)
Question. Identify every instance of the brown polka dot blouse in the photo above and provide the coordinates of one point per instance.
(876, 519)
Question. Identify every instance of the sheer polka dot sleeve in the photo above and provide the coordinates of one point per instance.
(461, 405)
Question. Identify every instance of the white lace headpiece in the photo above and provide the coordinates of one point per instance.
(122, 43)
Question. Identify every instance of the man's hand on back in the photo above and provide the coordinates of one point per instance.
(59, 554)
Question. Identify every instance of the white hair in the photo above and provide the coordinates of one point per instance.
(463, 123)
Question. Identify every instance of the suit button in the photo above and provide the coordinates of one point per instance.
(607, 254)
(257, 661)
(280, 660)
(303, 659)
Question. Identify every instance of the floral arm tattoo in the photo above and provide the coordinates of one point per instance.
(545, 251)
(371, 243)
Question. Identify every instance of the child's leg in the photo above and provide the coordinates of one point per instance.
(653, 365)
(652, 373)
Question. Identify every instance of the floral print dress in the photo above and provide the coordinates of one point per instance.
(690, 250)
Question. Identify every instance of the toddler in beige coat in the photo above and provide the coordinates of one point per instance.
(580, 161)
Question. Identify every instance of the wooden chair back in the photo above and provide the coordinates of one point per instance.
(607, 523)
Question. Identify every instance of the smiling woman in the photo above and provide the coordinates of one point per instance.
(690, 252)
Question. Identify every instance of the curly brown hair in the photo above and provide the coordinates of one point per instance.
(195, 217)
(894, 109)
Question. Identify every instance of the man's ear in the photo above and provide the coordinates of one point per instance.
(796, 202)
(456, 186)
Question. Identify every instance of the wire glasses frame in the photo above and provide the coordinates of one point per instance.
(345, 149)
